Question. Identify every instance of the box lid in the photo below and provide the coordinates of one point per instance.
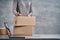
(24, 20)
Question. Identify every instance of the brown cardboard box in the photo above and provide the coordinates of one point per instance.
(24, 20)
(23, 30)
(23, 25)
(3, 31)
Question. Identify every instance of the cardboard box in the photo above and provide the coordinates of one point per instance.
(23, 30)
(3, 31)
(24, 20)
(23, 25)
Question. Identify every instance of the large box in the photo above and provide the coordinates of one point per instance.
(24, 20)
(23, 30)
(23, 25)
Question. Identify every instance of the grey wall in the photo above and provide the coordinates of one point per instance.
(47, 13)
(6, 13)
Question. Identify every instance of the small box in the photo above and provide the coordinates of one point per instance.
(3, 31)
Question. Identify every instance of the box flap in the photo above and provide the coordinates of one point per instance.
(24, 20)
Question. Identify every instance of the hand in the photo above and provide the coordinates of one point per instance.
(17, 14)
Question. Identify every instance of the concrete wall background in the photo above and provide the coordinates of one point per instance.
(47, 14)
(6, 13)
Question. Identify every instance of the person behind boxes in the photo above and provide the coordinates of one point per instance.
(23, 7)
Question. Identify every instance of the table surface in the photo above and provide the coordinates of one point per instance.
(35, 36)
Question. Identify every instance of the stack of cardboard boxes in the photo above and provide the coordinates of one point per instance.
(23, 25)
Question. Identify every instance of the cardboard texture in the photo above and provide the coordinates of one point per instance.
(23, 30)
(3, 31)
(23, 25)
(24, 20)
